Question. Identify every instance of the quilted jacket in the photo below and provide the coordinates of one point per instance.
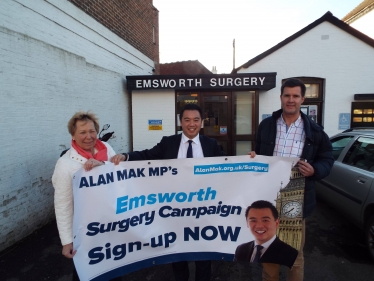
(62, 178)
(317, 151)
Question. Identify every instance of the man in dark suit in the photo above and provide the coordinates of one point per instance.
(189, 144)
(262, 220)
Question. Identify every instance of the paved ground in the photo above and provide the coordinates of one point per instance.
(334, 251)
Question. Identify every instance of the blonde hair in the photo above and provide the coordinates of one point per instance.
(82, 116)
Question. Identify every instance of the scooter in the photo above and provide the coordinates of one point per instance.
(105, 137)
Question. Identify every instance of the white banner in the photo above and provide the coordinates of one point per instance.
(143, 213)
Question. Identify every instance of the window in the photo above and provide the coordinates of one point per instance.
(338, 144)
(362, 114)
(312, 91)
(361, 154)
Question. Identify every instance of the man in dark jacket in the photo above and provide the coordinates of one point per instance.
(189, 144)
(291, 133)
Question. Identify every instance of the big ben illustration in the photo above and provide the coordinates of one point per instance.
(289, 203)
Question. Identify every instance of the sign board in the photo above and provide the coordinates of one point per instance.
(242, 81)
(154, 125)
(344, 121)
(141, 213)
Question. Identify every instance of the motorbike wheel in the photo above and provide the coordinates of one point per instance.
(369, 236)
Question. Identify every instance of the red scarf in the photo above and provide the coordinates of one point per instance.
(101, 155)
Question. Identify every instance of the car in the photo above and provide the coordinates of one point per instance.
(350, 186)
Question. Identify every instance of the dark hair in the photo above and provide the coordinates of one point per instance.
(262, 204)
(191, 106)
(293, 82)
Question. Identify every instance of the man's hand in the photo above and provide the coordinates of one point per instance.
(118, 158)
(67, 251)
(305, 168)
(252, 154)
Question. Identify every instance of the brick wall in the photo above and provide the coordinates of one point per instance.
(135, 21)
(55, 60)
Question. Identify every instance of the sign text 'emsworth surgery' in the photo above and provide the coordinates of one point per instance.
(198, 82)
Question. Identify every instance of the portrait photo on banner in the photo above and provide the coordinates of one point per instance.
(144, 213)
(277, 228)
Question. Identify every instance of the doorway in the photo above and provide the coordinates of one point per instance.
(228, 117)
(217, 118)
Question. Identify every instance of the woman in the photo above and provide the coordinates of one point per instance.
(86, 151)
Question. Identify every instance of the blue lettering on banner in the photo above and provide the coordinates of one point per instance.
(99, 181)
(95, 228)
(119, 251)
(125, 203)
(131, 173)
(161, 171)
(210, 233)
(230, 168)
(197, 212)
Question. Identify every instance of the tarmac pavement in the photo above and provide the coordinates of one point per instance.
(334, 251)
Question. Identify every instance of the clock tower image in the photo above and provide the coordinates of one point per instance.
(289, 203)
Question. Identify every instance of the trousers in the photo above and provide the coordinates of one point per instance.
(182, 272)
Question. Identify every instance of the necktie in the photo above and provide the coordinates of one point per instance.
(258, 254)
(189, 150)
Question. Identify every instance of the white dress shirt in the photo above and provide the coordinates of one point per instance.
(197, 150)
(266, 245)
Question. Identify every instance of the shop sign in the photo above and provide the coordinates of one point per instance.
(243, 81)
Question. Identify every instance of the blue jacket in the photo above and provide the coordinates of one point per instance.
(317, 151)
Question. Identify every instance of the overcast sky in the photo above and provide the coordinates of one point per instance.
(204, 29)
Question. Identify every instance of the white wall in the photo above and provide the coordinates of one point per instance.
(344, 61)
(365, 24)
(152, 105)
(54, 61)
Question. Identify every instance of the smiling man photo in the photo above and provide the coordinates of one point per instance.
(263, 221)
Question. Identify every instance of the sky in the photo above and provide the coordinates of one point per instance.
(204, 30)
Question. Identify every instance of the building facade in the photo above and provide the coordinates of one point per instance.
(229, 103)
(336, 63)
(334, 60)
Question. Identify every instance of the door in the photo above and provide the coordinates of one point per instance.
(228, 117)
(217, 118)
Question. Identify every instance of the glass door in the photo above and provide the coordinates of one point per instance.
(217, 118)
(245, 120)
(228, 117)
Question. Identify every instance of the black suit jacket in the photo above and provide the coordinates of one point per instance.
(278, 252)
(168, 148)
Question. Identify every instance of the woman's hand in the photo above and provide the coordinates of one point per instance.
(91, 163)
(67, 251)
(118, 158)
